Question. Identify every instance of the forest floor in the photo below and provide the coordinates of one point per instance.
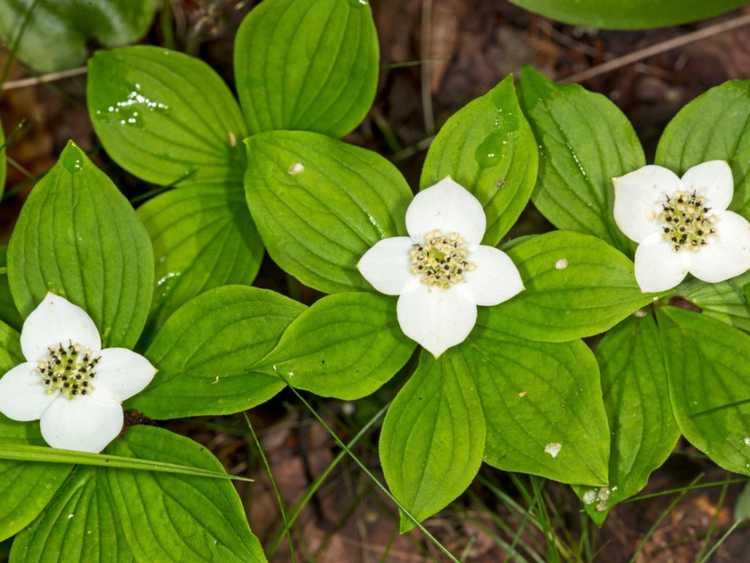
(436, 56)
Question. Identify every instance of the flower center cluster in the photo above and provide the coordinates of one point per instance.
(441, 260)
(686, 222)
(69, 370)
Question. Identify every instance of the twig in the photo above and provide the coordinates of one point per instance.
(43, 79)
(659, 48)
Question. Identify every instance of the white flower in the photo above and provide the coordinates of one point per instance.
(440, 272)
(682, 225)
(68, 382)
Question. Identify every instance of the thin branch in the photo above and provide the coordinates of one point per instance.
(659, 48)
(43, 79)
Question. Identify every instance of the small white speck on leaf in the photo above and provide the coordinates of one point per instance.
(232, 139)
(553, 449)
(640, 313)
(215, 381)
(296, 168)
(746, 441)
(561, 264)
(522, 394)
(589, 497)
(71, 515)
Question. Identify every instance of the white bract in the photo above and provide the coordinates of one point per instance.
(68, 382)
(682, 225)
(440, 271)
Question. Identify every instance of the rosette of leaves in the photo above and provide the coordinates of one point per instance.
(153, 495)
(169, 119)
(523, 392)
(679, 366)
(51, 35)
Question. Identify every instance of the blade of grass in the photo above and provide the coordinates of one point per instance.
(537, 486)
(687, 488)
(721, 540)
(660, 519)
(389, 545)
(310, 492)
(714, 522)
(42, 454)
(274, 486)
(510, 550)
(444, 550)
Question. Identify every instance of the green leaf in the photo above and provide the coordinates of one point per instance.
(309, 65)
(10, 348)
(202, 239)
(584, 142)
(714, 126)
(166, 117)
(207, 351)
(726, 301)
(433, 437)
(636, 396)
(344, 346)
(542, 403)
(26, 488)
(576, 286)
(78, 525)
(488, 148)
(8, 312)
(78, 237)
(709, 383)
(43, 454)
(173, 517)
(320, 204)
(629, 14)
(55, 34)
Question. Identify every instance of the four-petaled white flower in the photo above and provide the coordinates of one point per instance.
(682, 225)
(440, 271)
(68, 382)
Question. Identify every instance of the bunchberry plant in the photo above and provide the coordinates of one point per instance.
(170, 120)
(513, 386)
(80, 270)
(665, 369)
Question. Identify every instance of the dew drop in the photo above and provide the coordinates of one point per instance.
(561, 264)
(130, 106)
(296, 168)
(553, 449)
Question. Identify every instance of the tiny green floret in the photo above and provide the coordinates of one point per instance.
(69, 370)
(441, 260)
